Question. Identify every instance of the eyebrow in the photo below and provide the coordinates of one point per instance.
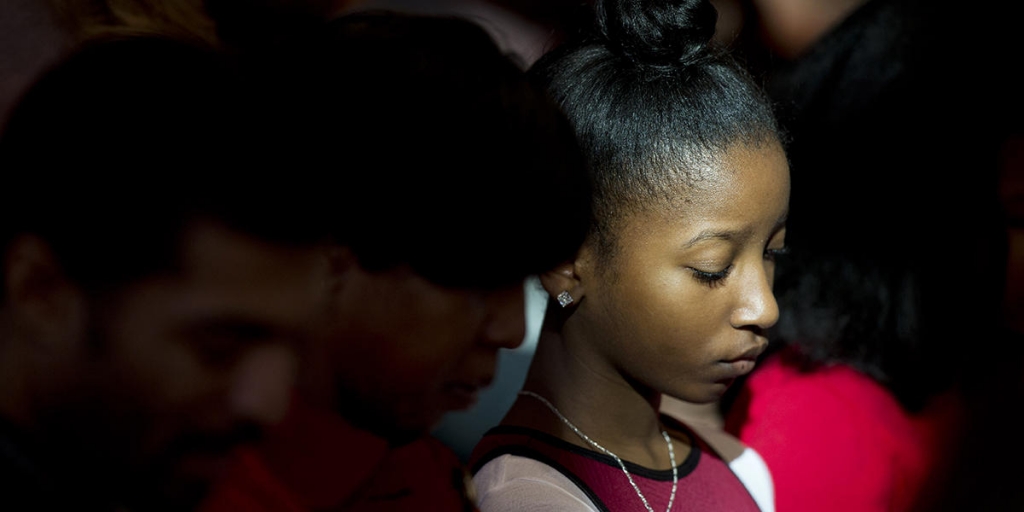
(248, 327)
(709, 234)
(713, 235)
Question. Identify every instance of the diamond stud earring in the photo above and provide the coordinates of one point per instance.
(564, 299)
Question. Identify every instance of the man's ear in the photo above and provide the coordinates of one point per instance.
(42, 301)
(340, 261)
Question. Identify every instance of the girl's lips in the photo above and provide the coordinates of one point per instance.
(745, 362)
(742, 366)
(736, 368)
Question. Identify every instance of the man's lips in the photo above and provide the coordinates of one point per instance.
(462, 395)
(205, 466)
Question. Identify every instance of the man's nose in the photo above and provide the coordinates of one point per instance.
(261, 384)
(506, 318)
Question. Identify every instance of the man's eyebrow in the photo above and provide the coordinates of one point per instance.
(244, 326)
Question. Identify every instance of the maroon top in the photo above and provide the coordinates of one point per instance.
(705, 481)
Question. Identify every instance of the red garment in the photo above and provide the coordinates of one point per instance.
(318, 462)
(836, 440)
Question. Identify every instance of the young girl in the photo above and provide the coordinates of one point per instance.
(670, 294)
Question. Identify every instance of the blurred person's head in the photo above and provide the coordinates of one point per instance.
(469, 181)
(226, 24)
(159, 271)
(85, 20)
(865, 285)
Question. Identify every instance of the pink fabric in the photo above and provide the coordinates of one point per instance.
(836, 440)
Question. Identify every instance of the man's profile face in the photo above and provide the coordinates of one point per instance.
(185, 365)
(404, 351)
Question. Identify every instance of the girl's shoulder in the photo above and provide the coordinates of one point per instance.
(512, 482)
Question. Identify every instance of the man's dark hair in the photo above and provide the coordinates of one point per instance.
(443, 156)
(118, 148)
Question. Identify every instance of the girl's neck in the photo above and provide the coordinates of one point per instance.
(619, 415)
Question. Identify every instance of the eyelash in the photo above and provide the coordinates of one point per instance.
(773, 254)
(713, 279)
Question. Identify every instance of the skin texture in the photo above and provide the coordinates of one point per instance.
(692, 287)
(405, 350)
(681, 308)
(163, 376)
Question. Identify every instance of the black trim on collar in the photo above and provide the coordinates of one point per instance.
(684, 468)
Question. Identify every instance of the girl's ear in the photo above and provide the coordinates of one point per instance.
(560, 279)
(566, 282)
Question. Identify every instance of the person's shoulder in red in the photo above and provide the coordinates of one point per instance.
(836, 439)
(423, 475)
(316, 461)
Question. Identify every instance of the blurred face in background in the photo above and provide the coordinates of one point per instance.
(403, 350)
(168, 373)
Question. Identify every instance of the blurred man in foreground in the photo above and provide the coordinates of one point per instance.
(158, 280)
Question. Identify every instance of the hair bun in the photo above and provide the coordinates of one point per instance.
(656, 32)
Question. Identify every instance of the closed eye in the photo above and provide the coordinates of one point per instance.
(220, 341)
(711, 279)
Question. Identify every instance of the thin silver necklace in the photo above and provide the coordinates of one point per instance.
(591, 442)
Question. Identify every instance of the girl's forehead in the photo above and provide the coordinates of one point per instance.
(714, 177)
(747, 185)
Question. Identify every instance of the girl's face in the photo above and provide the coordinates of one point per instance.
(683, 304)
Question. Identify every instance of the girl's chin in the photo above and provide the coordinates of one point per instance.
(706, 393)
